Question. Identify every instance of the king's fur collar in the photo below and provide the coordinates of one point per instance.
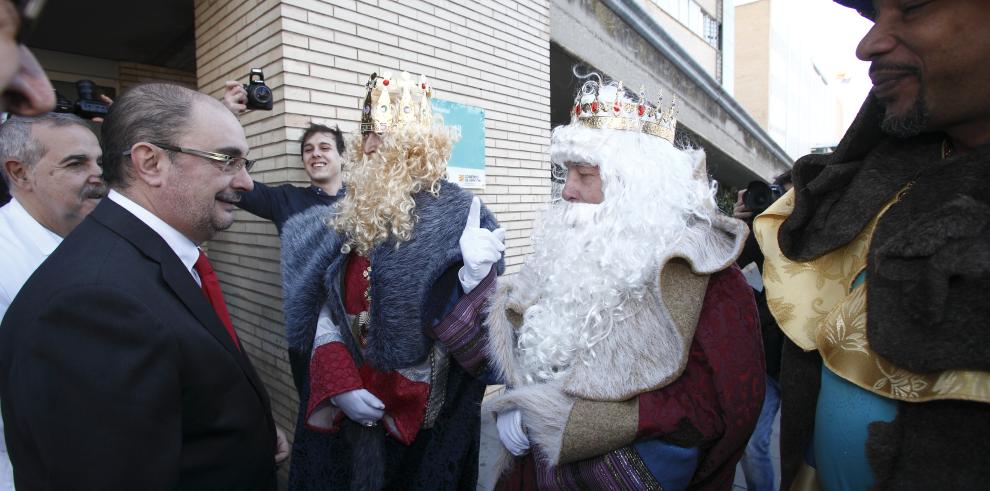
(401, 278)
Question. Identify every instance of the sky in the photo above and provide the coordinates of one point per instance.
(835, 34)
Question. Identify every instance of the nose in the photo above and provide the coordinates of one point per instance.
(242, 181)
(29, 93)
(95, 170)
(878, 41)
(570, 192)
(371, 143)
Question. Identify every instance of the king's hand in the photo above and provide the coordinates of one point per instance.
(480, 248)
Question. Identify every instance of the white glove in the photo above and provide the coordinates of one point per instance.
(360, 405)
(480, 248)
(510, 431)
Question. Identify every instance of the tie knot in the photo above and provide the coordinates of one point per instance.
(202, 265)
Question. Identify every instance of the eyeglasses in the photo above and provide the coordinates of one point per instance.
(230, 165)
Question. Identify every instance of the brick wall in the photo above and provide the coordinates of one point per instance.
(317, 55)
(490, 54)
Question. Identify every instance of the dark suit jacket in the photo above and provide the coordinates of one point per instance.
(117, 374)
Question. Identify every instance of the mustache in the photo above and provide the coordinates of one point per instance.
(95, 191)
(878, 66)
(232, 197)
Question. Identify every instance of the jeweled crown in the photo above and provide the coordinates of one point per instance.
(393, 102)
(608, 106)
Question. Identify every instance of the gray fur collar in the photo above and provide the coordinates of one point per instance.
(401, 278)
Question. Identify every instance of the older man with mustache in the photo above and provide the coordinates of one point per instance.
(51, 164)
(878, 264)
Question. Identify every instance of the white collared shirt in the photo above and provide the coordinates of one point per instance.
(24, 245)
(187, 251)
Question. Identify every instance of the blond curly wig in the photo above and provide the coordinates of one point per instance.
(378, 205)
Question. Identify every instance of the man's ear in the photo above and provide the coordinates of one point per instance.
(148, 164)
(18, 175)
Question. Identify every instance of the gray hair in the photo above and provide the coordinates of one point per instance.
(146, 113)
(16, 141)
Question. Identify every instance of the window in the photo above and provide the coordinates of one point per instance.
(691, 15)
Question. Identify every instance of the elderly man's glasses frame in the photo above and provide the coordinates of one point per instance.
(230, 165)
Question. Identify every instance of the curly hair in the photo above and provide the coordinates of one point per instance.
(379, 204)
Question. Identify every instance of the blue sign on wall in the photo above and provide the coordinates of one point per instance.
(467, 161)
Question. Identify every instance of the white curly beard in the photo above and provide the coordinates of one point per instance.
(593, 263)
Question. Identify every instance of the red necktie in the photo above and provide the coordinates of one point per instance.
(211, 288)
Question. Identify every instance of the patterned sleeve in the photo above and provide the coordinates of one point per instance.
(461, 329)
(332, 371)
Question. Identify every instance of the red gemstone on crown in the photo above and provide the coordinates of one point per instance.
(642, 110)
(385, 82)
(615, 108)
(423, 86)
(577, 109)
(594, 107)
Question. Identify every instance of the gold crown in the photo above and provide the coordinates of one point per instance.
(396, 102)
(608, 106)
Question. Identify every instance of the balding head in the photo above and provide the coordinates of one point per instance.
(146, 113)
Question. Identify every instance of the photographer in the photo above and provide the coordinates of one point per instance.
(321, 149)
(756, 462)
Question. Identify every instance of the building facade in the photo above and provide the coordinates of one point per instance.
(510, 59)
(778, 80)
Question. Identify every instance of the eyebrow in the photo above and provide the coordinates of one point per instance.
(77, 156)
(231, 151)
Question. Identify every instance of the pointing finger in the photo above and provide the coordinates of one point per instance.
(474, 214)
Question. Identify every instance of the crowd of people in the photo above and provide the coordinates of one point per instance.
(633, 351)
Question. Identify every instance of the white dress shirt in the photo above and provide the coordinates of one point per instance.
(24, 245)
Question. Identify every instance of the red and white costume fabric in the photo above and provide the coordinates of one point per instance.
(420, 352)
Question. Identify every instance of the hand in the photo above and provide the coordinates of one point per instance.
(360, 405)
(106, 100)
(234, 97)
(739, 210)
(281, 446)
(510, 432)
(480, 248)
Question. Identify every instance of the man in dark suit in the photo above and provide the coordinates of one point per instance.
(119, 367)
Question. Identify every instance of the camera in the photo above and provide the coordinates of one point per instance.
(760, 195)
(259, 96)
(87, 107)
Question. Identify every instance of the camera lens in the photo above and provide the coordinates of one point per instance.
(262, 94)
(757, 196)
(86, 89)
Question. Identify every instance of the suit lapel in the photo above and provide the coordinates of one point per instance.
(175, 275)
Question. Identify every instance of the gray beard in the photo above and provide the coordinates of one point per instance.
(912, 124)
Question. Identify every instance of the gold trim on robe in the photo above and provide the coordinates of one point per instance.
(817, 308)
